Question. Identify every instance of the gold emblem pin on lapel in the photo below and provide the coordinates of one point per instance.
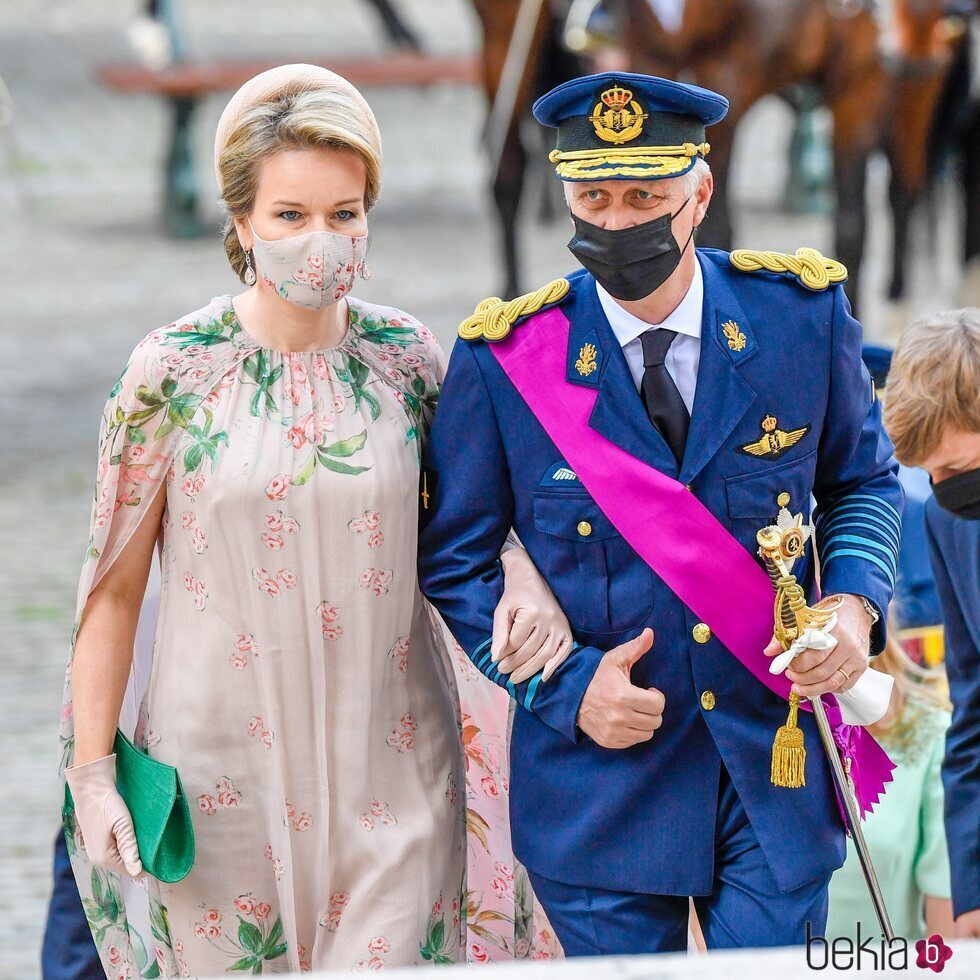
(774, 441)
(734, 336)
(586, 363)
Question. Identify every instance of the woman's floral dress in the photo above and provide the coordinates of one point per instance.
(298, 682)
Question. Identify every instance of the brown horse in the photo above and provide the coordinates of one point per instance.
(750, 48)
(549, 64)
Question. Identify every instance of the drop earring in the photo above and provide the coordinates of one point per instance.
(365, 272)
(249, 271)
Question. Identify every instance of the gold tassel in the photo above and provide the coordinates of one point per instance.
(788, 753)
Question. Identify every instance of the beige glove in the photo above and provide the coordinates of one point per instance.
(104, 818)
(530, 632)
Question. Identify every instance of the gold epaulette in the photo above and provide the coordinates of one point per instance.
(494, 319)
(813, 270)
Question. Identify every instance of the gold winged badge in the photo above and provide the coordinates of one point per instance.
(774, 441)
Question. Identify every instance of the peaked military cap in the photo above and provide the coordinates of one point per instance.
(624, 125)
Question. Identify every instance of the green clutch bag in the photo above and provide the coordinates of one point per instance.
(153, 792)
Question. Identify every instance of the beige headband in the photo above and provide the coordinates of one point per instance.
(276, 82)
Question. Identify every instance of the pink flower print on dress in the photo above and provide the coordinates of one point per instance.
(245, 904)
(499, 886)
(266, 584)
(376, 540)
(489, 785)
(206, 805)
(278, 487)
(303, 822)
(192, 487)
(114, 955)
(273, 542)
(331, 920)
(262, 910)
(200, 595)
(274, 521)
(378, 581)
(338, 403)
(188, 581)
(187, 520)
(290, 811)
(370, 520)
(329, 614)
(246, 643)
(399, 653)
(504, 870)
(478, 953)
(199, 541)
(228, 796)
(379, 945)
(297, 368)
(278, 869)
(296, 437)
(238, 661)
(287, 578)
(320, 368)
(254, 725)
(403, 741)
(379, 810)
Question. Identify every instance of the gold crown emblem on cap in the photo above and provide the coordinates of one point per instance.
(617, 97)
(617, 116)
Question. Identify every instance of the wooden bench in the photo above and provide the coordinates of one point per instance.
(185, 84)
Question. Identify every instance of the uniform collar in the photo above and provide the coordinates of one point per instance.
(685, 319)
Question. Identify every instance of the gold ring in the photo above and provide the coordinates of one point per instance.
(847, 676)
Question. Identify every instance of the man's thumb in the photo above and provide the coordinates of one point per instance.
(632, 651)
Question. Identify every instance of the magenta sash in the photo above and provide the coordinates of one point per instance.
(670, 529)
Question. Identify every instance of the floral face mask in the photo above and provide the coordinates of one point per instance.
(313, 270)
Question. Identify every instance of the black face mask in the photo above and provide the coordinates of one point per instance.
(960, 494)
(629, 263)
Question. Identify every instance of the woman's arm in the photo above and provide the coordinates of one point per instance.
(103, 650)
(939, 916)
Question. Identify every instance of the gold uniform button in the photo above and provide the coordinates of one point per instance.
(702, 633)
(783, 499)
(584, 528)
(707, 700)
(689, 488)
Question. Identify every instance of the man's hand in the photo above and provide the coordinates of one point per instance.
(614, 713)
(967, 926)
(816, 672)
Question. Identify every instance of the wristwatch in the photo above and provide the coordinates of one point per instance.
(870, 609)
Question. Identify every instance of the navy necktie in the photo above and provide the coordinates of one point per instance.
(663, 401)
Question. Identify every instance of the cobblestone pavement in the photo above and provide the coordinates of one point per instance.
(86, 271)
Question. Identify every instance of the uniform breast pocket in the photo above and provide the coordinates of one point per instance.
(754, 498)
(602, 584)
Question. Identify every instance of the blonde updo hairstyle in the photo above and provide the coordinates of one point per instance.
(292, 107)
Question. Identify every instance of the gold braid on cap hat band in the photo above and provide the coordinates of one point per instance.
(627, 161)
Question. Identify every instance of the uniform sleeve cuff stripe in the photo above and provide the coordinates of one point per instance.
(866, 556)
(869, 522)
(863, 542)
(863, 501)
(831, 530)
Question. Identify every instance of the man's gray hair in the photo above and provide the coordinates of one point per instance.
(696, 174)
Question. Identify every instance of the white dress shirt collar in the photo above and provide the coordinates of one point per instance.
(685, 319)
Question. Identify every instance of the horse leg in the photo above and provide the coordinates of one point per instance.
(507, 187)
(854, 112)
(715, 231)
(397, 30)
(901, 207)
